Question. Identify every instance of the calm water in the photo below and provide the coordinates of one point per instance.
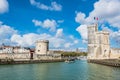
(80, 70)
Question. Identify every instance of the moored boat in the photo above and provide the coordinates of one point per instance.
(70, 60)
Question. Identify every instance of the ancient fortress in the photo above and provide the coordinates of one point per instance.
(42, 47)
(41, 52)
(99, 44)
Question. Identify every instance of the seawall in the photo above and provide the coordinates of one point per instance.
(25, 58)
(107, 62)
(29, 61)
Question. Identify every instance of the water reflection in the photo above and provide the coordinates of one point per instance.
(100, 72)
(80, 70)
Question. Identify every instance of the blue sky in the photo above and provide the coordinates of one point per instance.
(62, 22)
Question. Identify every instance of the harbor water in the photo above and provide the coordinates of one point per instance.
(79, 70)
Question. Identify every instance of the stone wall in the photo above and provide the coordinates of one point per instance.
(26, 56)
(46, 56)
(14, 56)
(114, 53)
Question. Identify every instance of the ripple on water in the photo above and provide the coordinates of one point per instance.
(80, 70)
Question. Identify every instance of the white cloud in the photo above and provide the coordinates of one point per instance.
(105, 28)
(60, 21)
(82, 49)
(25, 40)
(80, 17)
(115, 38)
(53, 7)
(71, 43)
(114, 35)
(1, 22)
(48, 24)
(82, 29)
(54, 42)
(105, 10)
(71, 37)
(3, 6)
(36, 22)
(10, 36)
(6, 32)
(57, 42)
(59, 32)
(67, 45)
(76, 41)
(30, 39)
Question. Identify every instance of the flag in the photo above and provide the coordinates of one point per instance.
(95, 18)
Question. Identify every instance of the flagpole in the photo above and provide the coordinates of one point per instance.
(96, 21)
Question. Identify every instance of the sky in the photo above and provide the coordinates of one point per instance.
(62, 22)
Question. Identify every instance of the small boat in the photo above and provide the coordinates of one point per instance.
(70, 60)
(82, 58)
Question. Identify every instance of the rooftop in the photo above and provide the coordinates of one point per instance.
(42, 41)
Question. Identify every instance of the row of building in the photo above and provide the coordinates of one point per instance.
(42, 47)
(14, 49)
(41, 52)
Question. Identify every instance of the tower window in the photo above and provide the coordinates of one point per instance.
(38, 50)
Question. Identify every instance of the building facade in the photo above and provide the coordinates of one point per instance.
(42, 47)
(98, 44)
(19, 49)
(13, 49)
(6, 49)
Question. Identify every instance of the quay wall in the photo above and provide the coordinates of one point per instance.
(27, 56)
(45, 57)
(29, 61)
(24, 58)
(107, 62)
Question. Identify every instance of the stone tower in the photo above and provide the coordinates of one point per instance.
(42, 47)
(92, 29)
(98, 43)
(103, 38)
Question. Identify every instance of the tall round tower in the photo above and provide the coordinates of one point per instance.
(92, 41)
(42, 47)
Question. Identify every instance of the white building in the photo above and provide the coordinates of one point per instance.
(6, 49)
(11, 49)
(99, 45)
(19, 49)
